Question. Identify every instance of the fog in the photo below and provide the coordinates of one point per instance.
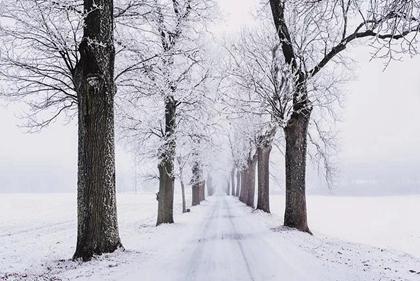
(378, 141)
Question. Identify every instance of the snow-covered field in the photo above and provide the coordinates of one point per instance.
(387, 222)
(220, 240)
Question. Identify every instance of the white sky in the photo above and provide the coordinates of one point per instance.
(380, 132)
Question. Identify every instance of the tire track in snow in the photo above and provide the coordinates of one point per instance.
(219, 233)
(197, 253)
(238, 241)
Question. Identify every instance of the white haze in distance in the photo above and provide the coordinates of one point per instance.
(378, 141)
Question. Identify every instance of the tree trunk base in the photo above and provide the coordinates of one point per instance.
(86, 254)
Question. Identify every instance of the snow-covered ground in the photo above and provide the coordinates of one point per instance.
(220, 240)
(387, 221)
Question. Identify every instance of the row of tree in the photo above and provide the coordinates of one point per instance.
(156, 63)
(281, 72)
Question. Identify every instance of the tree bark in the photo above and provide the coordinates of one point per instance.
(232, 180)
(184, 204)
(263, 201)
(250, 198)
(296, 141)
(238, 182)
(166, 165)
(197, 184)
(244, 187)
(97, 230)
(202, 191)
(195, 194)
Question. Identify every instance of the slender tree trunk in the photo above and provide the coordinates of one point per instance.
(244, 186)
(232, 180)
(202, 191)
(263, 202)
(184, 204)
(197, 182)
(166, 166)
(195, 194)
(181, 179)
(252, 163)
(238, 182)
(296, 141)
(228, 187)
(97, 230)
(210, 187)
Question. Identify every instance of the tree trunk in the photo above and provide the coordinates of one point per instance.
(196, 194)
(263, 202)
(166, 166)
(184, 204)
(97, 230)
(232, 180)
(210, 187)
(197, 184)
(244, 186)
(250, 198)
(228, 187)
(238, 182)
(202, 191)
(181, 179)
(296, 141)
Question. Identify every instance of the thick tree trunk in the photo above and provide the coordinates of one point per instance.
(97, 230)
(166, 193)
(263, 202)
(250, 198)
(296, 141)
(166, 166)
(232, 180)
(238, 182)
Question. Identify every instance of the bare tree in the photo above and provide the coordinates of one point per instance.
(312, 37)
(244, 132)
(166, 88)
(171, 24)
(254, 69)
(59, 58)
(95, 87)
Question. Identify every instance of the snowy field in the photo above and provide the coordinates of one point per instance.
(386, 222)
(220, 240)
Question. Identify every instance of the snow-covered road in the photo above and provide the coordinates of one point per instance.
(229, 244)
(226, 244)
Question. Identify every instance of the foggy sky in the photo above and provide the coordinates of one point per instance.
(378, 141)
